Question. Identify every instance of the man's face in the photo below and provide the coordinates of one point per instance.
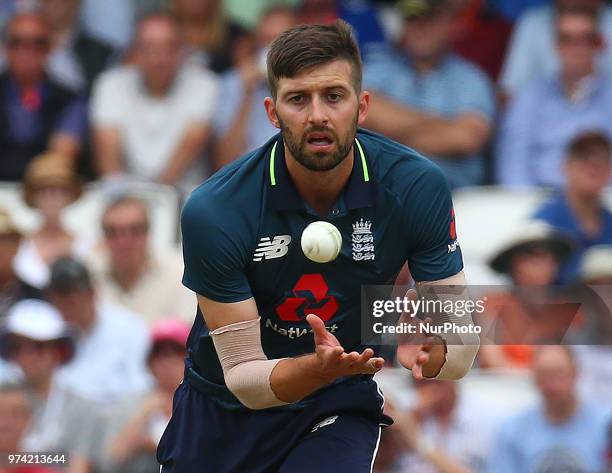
(8, 249)
(158, 52)
(554, 373)
(578, 43)
(51, 200)
(427, 38)
(75, 306)
(272, 25)
(37, 360)
(27, 46)
(167, 364)
(60, 13)
(318, 112)
(196, 8)
(534, 266)
(15, 416)
(590, 174)
(126, 234)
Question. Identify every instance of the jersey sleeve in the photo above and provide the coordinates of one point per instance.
(433, 249)
(213, 252)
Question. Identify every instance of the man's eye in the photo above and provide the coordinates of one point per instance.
(297, 99)
(334, 97)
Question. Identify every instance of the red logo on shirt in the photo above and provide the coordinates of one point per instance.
(309, 297)
(453, 230)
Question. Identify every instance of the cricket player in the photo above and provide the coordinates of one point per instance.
(276, 379)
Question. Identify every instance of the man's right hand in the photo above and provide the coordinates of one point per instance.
(332, 361)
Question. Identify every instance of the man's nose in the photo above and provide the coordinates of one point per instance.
(318, 111)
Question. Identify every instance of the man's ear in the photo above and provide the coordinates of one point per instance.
(364, 106)
(271, 111)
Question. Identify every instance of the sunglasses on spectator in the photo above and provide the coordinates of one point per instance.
(15, 346)
(36, 43)
(583, 38)
(133, 230)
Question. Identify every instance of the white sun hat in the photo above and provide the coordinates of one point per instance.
(596, 263)
(36, 320)
(533, 232)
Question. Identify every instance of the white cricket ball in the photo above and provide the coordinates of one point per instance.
(321, 242)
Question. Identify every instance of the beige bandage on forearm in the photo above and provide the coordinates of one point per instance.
(461, 349)
(246, 368)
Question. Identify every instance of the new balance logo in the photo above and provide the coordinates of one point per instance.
(275, 248)
(324, 423)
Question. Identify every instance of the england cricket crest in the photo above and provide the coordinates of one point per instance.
(362, 241)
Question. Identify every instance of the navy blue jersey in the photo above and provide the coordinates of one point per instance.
(241, 239)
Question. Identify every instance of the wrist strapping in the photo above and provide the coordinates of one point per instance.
(246, 368)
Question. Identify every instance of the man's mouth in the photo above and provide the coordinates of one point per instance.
(319, 139)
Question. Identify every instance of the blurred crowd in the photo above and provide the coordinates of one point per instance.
(497, 92)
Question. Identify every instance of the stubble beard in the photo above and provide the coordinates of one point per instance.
(319, 160)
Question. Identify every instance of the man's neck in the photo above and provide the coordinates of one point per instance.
(42, 387)
(28, 83)
(85, 325)
(52, 228)
(320, 189)
(128, 277)
(424, 65)
(158, 91)
(561, 412)
(586, 208)
(573, 83)
(61, 35)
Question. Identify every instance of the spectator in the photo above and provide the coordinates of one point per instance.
(130, 273)
(76, 57)
(12, 289)
(544, 117)
(578, 210)
(139, 427)
(36, 113)
(112, 343)
(15, 414)
(481, 35)
(162, 125)
(563, 433)
(532, 54)
(215, 42)
(362, 16)
(243, 125)
(49, 187)
(531, 259)
(442, 430)
(593, 359)
(391, 452)
(430, 99)
(38, 341)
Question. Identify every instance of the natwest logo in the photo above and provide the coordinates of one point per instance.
(309, 297)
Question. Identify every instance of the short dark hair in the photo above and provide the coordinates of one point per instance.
(586, 144)
(68, 274)
(306, 46)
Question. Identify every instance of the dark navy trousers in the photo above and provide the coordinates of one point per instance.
(337, 432)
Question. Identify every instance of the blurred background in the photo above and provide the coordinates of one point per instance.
(112, 111)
